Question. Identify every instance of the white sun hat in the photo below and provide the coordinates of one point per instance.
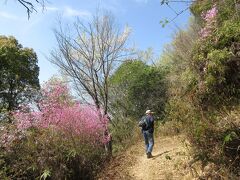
(148, 111)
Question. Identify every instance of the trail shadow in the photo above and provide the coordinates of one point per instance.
(156, 156)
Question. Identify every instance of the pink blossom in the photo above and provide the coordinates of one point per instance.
(210, 21)
(204, 32)
(59, 111)
(210, 14)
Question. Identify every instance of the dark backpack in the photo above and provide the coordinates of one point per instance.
(143, 123)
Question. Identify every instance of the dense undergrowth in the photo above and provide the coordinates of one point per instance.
(47, 154)
(62, 139)
(125, 133)
(203, 65)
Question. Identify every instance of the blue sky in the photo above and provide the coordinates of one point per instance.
(143, 16)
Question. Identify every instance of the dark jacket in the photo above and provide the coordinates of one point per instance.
(150, 124)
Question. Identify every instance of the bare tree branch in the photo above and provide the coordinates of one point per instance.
(89, 52)
(176, 1)
(177, 13)
(29, 5)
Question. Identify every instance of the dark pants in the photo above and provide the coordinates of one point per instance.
(149, 141)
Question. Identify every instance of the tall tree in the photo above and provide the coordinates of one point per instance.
(89, 52)
(18, 73)
(136, 87)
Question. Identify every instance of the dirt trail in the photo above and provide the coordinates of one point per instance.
(169, 161)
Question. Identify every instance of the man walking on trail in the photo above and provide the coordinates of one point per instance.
(147, 131)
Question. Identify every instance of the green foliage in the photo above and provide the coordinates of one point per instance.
(18, 73)
(217, 139)
(180, 113)
(228, 10)
(124, 133)
(200, 6)
(164, 22)
(229, 137)
(137, 87)
(216, 58)
(130, 69)
(204, 86)
(46, 153)
(177, 60)
(45, 175)
(215, 70)
(228, 33)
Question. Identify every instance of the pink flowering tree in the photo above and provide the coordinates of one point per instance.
(57, 110)
(209, 18)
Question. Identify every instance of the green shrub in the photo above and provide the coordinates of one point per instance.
(136, 87)
(124, 133)
(217, 138)
(204, 90)
(49, 154)
(216, 56)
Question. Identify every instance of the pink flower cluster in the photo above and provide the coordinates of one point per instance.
(59, 111)
(210, 19)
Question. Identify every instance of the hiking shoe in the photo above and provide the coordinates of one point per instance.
(149, 155)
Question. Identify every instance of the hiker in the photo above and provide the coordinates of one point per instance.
(147, 130)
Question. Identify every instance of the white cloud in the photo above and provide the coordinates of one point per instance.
(8, 16)
(69, 12)
(48, 8)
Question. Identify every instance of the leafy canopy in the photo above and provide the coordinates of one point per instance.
(138, 87)
(18, 73)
